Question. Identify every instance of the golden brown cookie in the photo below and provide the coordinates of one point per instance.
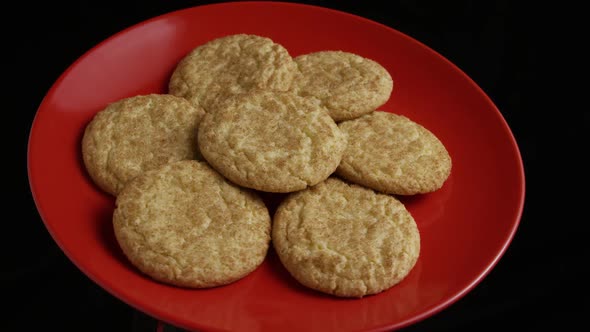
(348, 84)
(184, 224)
(344, 239)
(393, 154)
(136, 134)
(271, 141)
(229, 65)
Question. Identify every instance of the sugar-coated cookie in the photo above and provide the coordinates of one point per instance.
(393, 154)
(184, 224)
(344, 239)
(229, 65)
(271, 141)
(136, 134)
(348, 84)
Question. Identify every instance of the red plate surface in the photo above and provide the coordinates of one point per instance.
(465, 226)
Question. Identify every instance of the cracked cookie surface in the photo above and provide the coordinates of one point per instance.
(185, 225)
(393, 154)
(136, 134)
(344, 239)
(271, 141)
(347, 84)
(230, 65)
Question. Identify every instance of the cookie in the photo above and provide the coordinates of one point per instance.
(347, 84)
(229, 65)
(344, 239)
(271, 141)
(136, 134)
(393, 154)
(184, 224)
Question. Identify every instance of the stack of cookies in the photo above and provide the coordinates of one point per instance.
(242, 118)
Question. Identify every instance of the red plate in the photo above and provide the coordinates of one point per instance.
(465, 226)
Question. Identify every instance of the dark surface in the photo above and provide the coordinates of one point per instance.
(503, 46)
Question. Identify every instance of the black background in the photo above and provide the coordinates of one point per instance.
(510, 49)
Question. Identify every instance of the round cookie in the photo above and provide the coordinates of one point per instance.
(136, 134)
(271, 141)
(393, 154)
(184, 224)
(230, 65)
(348, 84)
(344, 239)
